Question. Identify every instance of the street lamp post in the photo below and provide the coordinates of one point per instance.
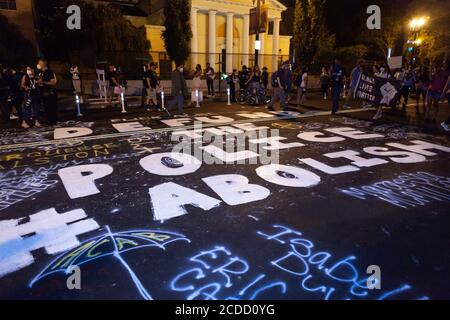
(416, 24)
(258, 24)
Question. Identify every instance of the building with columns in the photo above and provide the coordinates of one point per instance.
(225, 24)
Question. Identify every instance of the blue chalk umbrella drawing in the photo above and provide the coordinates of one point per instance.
(111, 244)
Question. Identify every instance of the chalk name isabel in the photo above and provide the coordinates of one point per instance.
(169, 200)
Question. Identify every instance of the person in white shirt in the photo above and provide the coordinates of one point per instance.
(303, 85)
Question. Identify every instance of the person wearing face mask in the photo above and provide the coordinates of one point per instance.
(47, 84)
(179, 88)
(28, 85)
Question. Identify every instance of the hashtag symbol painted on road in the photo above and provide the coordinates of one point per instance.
(56, 232)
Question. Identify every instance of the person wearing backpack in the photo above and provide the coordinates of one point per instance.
(280, 81)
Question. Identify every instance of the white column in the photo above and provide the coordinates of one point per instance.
(212, 38)
(194, 41)
(262, 38)
(276, 43)
(246, 39)
(230, 42)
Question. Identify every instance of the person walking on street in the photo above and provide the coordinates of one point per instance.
(422, 83)
(354, 77)
(210, 76)
(324, 83)
(436, 90)
(383, 72)
(47, 84)
(280, 81)
(179, 88)
(302, 85)
(337, 84)
(407, 78)
(197, 93)
(30, 101)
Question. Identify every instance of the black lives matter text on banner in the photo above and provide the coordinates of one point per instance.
(377, 91)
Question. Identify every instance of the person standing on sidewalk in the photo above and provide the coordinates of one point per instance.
(179, 88)
(337, 83)
(302, 85)
(153, 86)
(324, 83)
(265, 78)
(354, 77)
(113, 77)
(76, 82)
(47, 83)
(30, 101)
(196, 92)
(232, 80)
(280, 81)
(210, 76)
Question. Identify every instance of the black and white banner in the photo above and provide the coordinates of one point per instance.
(377, 91)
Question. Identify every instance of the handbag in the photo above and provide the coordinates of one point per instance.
(119, 90)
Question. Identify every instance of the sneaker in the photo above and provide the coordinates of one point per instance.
(346, 107)
(25, 125)
(13, 117)
(37, 124)
(445, 126)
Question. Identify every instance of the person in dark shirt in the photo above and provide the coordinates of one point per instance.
(113, 77)
(152, 86)
(47, 84)
(231, 81)
(30, 101)
(4, 93)
(337, 84)
(324, 82)
(210, 76)
(280, 84)
(265, 78)
(243, 77)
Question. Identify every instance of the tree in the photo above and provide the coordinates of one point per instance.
(379, 41)
(105, 35)
(311, 39)
(435, 35)
(178, 33)
(14, 48)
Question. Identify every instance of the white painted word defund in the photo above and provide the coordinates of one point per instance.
(169, 200)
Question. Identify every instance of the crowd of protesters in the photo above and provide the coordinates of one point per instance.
(26, 91)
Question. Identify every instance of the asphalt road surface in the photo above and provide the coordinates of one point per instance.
(323, 208)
